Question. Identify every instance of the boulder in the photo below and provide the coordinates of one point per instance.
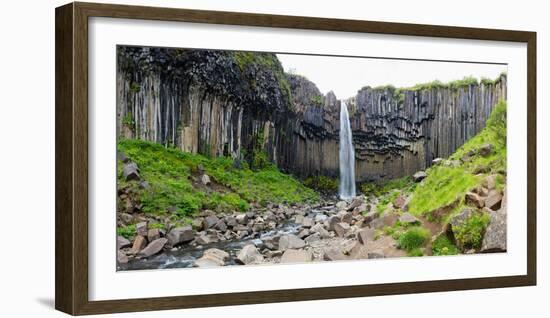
(493, 200)
(221, 226)
(303, 233)
(341, 205)
(290, 241)
(334, 254)
(308, 222)
(344, 216)
(212, 257)
(153, 248)
(490, 182)
(366, 235)
(400, 201)
(142, 229)
(126, 218)
(369, 217)
(121, 258)
(197, 224)
(180, 235)
(475, 200)
(361, 209)
(408, 218)
(332, 221)
(437, 161)
(230, 221)
(313, 238)
(210, 221)
(153, 234)
(130, 171)
(296, 256)
(357, 201)
(250, 255)
(318, 228)
(242, 218)
(204, 239)
(298, 219)
(485, 150)
(341, 229)
(494, 239)
(205, 180)
(139, 243)
(419, 176)
(122, 242)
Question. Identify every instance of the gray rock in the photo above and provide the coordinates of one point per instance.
(307, 222)
(494, 239)
(332, 221)
(121, 258)
(296, 256)
(122, 242)
(290, 241)
(153, 234)
(369, 217)
(461, 217)
(142, 228)
(180, 235)
(212, 257)
(230, 221)
(493, 200)
(197, 224)
(485, 150)
(475, 200)
(122, 157)
(344, 216)
(437, 161)
(303, 233)
(334, 254)
(153, 248)
(250, 255)
(419, 176)
(341, 205)
(490, 182)
(221, 226)
(210, 221)
(126, 218)
(366, 235)
(408, 218)
(139, 243)
(242, 218)
(130, 171)
(144, 185)
(313, 238)
(357, 201)
(318, 228)
(400, 201)
(205, 180)
(341, 229)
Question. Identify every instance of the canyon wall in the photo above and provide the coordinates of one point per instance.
(240, 104)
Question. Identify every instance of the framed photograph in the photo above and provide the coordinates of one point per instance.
(219, 158)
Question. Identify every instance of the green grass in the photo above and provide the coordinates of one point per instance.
(445, 185)
(470, 234)
(413, 238)
(383, 187)
(443, 246)
(169, 173)
(322, 183)
(126, 231)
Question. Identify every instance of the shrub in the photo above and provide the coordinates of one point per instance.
(470, 233)
(413, 238)
(126, 231)
(322, 183)
(443, 246)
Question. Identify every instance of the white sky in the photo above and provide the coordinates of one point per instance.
(346, 75)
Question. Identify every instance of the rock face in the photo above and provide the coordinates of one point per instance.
(218, 103)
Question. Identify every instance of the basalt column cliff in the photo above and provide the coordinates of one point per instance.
(243, 105)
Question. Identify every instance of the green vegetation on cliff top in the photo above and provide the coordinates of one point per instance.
(174, 180)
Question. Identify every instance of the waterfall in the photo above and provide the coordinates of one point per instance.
(347, 156)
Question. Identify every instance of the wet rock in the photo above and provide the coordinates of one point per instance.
(408, 218)
(122, 242)
(130, 171)
(493, 200)
(141, 228)
(250, 255)
(205, 180)
(475, 200)
(180, 235)
(212, 257)
(153, 248)
(419, 176)
(320, 217)
(485, 150)
(210, 221)
(153, 234)
(139, 243)
(290, 241)
(341, 229)
(366, 235)
(204, 239)
(296, 256)
(121, 258)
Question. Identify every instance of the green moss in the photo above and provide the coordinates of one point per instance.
(470, 233)
(322, 183)
(317, 100)
(135, 87)
(413, 238)
(128, 121)
(443, 246)
(170, 173)
(417, 252)
(126, 231)
(383, 187)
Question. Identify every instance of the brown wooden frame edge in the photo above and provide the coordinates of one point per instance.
(71, 154)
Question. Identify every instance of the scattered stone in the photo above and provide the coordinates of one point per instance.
(230, 221)
(341, 229)
(298, 219)
(341, 205)
(400, 201)
(369, 217)
(126, 218)
(320, 217)
(485, 150)
(474, 199)
(130, 171)
(212, 257)
(313, 238)
(360, 209)
(221, 226)
(153, 234)
(290, 241)
(242, 218)
(308, 222)
(121, 258)
(197, 224)
(141, 228)
(144, 185)
(250, 255)
(481, 169)
(419, 176)
(122, 157)
(490, 182)
(366, 235)
(153, 248)
(332, 221)
(205, 180)
(437, 161)
(357, 201)
(210, 221)
(122, 242)
(318, 228)
(296, 256)
(493, 200)
(204, 239)
(180, 235)
(408, 218)
(139, 243)
(303, 233)
(334, 254)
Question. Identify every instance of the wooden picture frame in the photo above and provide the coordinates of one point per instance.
(71, 122)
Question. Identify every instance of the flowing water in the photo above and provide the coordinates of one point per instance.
(347, 156)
